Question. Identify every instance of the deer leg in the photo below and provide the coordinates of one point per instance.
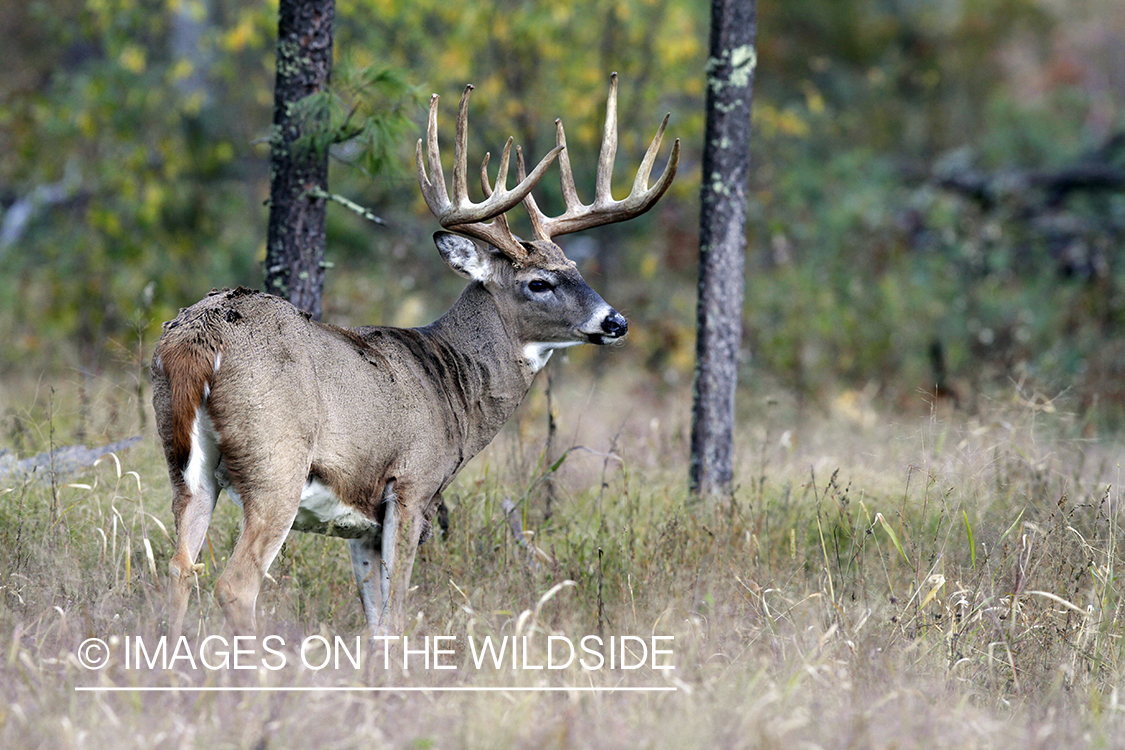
(268, 514)
(192, 506)
(402, 528)
(367, 565)
(191, 532)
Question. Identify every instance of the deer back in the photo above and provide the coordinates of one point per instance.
(352, 407)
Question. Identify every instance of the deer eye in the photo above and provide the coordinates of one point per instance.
(539, 286)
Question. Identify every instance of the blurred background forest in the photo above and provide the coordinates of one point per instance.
(938, 195)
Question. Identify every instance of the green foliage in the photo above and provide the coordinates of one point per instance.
(869, 261)
(365, 110)
(152, 167)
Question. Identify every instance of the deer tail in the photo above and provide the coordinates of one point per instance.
(187, 368)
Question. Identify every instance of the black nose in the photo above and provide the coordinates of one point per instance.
(615, 325)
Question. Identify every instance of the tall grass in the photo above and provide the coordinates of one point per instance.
(877, 579)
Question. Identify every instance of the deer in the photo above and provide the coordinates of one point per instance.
(357, 432)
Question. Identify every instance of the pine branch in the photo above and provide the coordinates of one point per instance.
(316, 192)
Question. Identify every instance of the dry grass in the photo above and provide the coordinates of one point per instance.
(877, 581)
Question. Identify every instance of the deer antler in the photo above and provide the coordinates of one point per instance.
(461, 214)
(604, 209)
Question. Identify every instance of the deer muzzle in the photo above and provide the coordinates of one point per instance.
(612, 327)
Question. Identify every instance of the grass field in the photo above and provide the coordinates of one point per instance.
(926, 578)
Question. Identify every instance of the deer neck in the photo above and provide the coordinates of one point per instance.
(488, 376)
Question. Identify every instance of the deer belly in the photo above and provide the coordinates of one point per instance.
(321, 512)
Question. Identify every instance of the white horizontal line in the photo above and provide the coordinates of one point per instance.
(411, 689)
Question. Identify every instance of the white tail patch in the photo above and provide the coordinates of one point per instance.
(199, 475)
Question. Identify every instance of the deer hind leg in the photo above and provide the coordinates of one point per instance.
(192, 506)
(268, 510)
(402, 530)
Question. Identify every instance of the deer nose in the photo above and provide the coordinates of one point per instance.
(615, 325)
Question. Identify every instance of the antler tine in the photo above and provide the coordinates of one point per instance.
(432, 190)
(645, 196)
(485, 185)
(500, 221)
(538, 220)
(604, 209)
(460, 214)
(460, 154)
(608, 152)
(640, 184)
(566, 174)
(502, 172)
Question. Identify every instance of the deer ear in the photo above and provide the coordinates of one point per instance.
(464, 256)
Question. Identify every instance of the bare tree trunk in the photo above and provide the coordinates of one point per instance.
(296, 239)
(722, 242)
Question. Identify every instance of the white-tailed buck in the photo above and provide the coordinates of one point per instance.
(355, 432)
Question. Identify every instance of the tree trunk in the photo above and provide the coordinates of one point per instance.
(722, 242)
(296, 239)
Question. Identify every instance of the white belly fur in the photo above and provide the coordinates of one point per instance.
(321, 512)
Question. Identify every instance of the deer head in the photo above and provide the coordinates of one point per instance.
(553, 305)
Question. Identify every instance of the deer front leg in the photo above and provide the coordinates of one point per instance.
(402, 528)
(367, 564)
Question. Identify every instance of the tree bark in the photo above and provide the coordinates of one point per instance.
(296, 237)
(722, 243)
